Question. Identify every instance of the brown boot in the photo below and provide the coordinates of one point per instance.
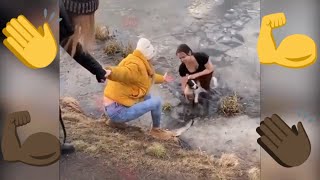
(116, 125)
(162, 134)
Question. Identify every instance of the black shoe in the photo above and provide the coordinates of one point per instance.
(67, 148)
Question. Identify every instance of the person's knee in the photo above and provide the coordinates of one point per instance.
(157, 101)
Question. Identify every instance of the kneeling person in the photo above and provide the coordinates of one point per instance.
(126, 95)
(195, 66)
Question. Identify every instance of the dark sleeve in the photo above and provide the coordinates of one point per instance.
(182, 70)
(202, 58)
(88, 62)
(84, 59)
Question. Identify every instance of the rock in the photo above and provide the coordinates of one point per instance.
(212, 51)
(227, 58)
(210, 26)
(175, 102)
(162, 60)
(220, 47)
(226, 25)
(231, 11)
(239, 23)
(214, 36)
(219, 2)
(225, 39)
(215, 59)
(211, 36)
(232, 31)
(240, 51)
(239, 37)
(195, 28)
(201, 34)
(230, 41)
(230, 16)
(204, 44)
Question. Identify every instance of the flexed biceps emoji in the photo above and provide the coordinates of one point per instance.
(295, 51)
(39, 149)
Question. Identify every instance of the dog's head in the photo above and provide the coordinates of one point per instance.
(192, 84)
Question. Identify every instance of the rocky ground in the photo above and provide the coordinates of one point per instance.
(226, 30)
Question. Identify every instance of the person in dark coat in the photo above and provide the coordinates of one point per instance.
(76, 37)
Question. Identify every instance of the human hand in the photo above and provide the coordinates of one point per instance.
(289, 147)
(108, 72)
(167, 78)
(192, 76)
(35, 48)
(101, 76)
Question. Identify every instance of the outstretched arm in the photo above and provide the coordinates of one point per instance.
(88, 62)
(81, 57)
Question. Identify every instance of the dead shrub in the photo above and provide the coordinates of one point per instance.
(112, 47)
(126, 50)
(230, 105)
(102, 33)
(166, 107)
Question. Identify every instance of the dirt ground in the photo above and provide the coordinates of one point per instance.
(226, 30)
(107, 153)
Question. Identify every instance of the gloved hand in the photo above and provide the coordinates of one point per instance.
(101, 76)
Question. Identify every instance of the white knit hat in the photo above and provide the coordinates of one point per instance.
(146, 48)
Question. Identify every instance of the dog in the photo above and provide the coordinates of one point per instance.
(194, 87)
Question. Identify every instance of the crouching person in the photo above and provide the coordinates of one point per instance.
(126, 95)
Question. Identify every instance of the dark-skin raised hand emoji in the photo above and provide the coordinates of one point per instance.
(290, 147)
(39, 149)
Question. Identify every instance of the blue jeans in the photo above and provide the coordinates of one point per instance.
(120, 114)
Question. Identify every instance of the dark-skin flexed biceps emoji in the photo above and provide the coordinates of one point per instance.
(39, 149)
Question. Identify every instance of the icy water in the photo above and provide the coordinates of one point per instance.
(225, 30)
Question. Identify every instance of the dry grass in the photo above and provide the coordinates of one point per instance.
(126, 50)
(166, 107)
(254, 173)
(230, 105)
(157, 150)
(228, 160)
(102, 33)
(135, 148)
(113, 47)
(69, 104)
(229, 166)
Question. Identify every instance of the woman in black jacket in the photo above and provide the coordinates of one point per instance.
(76, 36)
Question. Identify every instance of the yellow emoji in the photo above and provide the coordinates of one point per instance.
(295, 51)
(35, 48)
